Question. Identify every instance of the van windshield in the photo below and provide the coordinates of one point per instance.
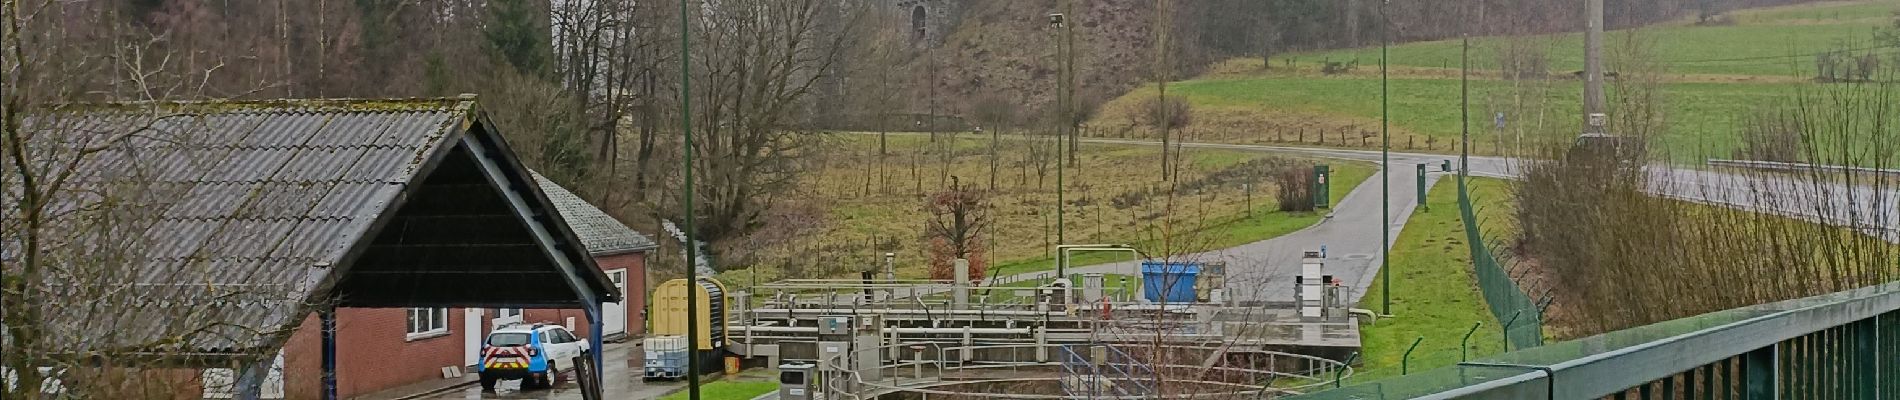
(507, 339)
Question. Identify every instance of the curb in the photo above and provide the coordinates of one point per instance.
(437, 391)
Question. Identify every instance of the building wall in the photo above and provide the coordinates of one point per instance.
(635, 266)
(373, 353)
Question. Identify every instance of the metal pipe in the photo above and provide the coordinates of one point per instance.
(921, 331)
(908, 311)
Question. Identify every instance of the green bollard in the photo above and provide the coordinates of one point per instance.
(1421, 189)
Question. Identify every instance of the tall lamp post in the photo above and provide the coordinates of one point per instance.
(1385, 163)
(1059, 21)
(686, 202)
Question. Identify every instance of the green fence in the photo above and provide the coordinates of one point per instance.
(1522, 317)
(1843, 345)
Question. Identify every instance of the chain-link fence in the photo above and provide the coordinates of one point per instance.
(1523, 318)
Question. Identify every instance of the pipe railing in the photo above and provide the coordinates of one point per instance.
(947, 362)
(1839, 345)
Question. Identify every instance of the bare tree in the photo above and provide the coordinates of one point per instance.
(756, 65)
(92, 306)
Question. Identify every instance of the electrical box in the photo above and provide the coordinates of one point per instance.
(835, 325)
(1322, 186)
(797, 382)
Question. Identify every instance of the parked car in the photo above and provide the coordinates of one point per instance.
(531, 353)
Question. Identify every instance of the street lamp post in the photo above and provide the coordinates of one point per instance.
(686, 164)
(1385, 163)
(1059, 21)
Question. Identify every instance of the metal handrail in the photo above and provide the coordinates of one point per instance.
(874, 387)
(1614, 362)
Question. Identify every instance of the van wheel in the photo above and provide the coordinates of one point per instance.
(554, 375)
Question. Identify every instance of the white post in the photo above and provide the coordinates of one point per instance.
(1042, 344)
(961, 275)
(967, 353)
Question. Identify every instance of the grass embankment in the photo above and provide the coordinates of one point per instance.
(853, 205)
(1713, 76)
(1265, 222)
(1434, 294)
(743, 389)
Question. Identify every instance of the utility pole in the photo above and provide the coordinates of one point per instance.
(686, 163)
(1593, 100)
(1385, 162)
(1065, 118)
(1075, 128)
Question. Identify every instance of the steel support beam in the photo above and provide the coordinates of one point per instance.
(328, 317)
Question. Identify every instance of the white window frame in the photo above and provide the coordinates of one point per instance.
(424, 323)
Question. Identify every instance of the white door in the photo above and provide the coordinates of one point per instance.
(473, 336)
(505, 316)
(613, 317)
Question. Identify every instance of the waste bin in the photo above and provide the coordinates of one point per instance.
(1169, 282)
(796, 382)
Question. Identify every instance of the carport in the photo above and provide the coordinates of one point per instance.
(335, 204)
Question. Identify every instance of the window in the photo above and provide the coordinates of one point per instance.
(506, 313)
(507, 339)
(563, 336)
(428, 322)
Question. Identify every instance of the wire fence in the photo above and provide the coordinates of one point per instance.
(1523, 318)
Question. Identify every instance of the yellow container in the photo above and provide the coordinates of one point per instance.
(732, 365)
(669, 314)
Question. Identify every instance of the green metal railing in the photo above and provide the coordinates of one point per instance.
(1523, 318)
(1844, 345)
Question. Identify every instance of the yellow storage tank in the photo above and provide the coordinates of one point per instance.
(669, 311)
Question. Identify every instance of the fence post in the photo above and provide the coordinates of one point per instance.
(1758, 373)
(1507, 329)
(1464, 346)
(1341, 372)
(1405, 362)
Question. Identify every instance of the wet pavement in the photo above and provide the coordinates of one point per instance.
(624, 370)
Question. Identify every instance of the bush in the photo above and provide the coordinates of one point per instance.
(1295, 191)
(1179, 113)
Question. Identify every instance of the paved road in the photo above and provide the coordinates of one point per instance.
(624, 369)
(1351, 234)
(1265, 270)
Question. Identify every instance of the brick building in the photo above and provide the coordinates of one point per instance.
(386, 348)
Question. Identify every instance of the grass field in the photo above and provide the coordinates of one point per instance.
(1770, 42)
(1434, 294)
(852, 208)
(1717, 76)
(1703, 116)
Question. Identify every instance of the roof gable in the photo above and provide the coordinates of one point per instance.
(225, 222)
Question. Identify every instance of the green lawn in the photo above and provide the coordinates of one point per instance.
(1434, 294)
(1770, 42)
(1266, 222)
(729, 390)
(1703, 117)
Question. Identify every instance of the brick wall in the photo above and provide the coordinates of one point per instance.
(372, 353)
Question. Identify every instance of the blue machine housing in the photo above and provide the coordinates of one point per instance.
(1169, 282)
